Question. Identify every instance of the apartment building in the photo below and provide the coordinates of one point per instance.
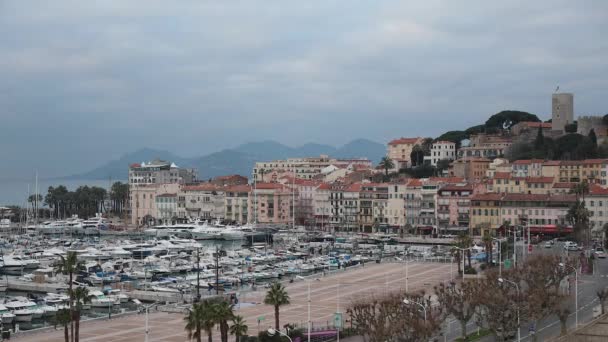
(322, 206)
(236, 203)
(527, 168)
(143, 203)
(159, 172)
(395, 206)
(441, 150)
(472, 169)
(453, 204)
(203, 201)
(504, 182)
(596, 201)
(373, 203)
(544, 213)
(400, 150)
(488, 146)
(412, 199)
(272, 203)
(166, 208)
(304, 168)
(485, 215)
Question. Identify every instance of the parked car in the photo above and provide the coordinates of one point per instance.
(548, 244)
(599, 253)
(570, 246)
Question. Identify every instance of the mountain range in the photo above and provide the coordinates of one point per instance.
(238, 160)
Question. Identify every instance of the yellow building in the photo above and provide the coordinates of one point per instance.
(485, 214)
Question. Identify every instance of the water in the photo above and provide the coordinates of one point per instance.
(14, 192)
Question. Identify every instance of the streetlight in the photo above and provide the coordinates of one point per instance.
(147, 307)
(309, 323)
(499, 257)
(561, 264)
(501, 280)
(408, 302)
(272, 332)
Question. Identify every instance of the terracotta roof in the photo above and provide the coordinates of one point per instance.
(409, 141)
(414, 182)
(551, 163)
(595, 161)
(486, 197)
(238, 188)
(355, 187)
(539, 180)
(528, 161)
(564, 185)
(538, 197)
(502, 175)
(597, 190)
(200, 187)
(457, 187)
(268, 186)
(447, 179)
(135, 165)
(324, 186)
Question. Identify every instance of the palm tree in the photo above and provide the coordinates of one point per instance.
(465, 241)
(386, 163)
(487, 241)
(63, 317)
(194, 321)
(80, 296)
(69, 265)
(223, 312)
(238, 327)
(276, 296)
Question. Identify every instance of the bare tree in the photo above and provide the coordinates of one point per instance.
(387, 317)
(459, 301)
(602, 295)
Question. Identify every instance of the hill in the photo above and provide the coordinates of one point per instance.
(238, 160)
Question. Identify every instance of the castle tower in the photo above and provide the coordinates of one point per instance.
(563, 110)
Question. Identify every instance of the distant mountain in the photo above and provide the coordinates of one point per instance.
(238, 160)
(362, 148)
(118, 169)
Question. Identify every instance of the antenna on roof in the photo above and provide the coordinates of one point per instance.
(557, 89)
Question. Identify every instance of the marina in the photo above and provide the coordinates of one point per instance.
(174, 264)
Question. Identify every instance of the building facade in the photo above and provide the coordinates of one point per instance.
(304, 168)
(562, 108)
(441, 150)
(400, 150)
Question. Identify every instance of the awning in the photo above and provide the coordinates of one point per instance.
(550, 228)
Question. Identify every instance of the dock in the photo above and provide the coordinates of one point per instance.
(31, 286)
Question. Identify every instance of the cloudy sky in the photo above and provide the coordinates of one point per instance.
(86, 81)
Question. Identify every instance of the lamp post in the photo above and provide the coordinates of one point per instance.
(272, 332)
(408, 302)
(309, 323)
(502, 280)
(147, 307)
(575, 291)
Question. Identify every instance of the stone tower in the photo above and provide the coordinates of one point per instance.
(563, 110)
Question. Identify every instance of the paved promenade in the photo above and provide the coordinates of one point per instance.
(327, 293)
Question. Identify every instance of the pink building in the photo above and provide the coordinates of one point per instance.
(274, 203)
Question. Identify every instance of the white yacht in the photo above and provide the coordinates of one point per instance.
(6, 315)
(206, 232)
(160, 231)
(12, 266)
(99, 300)
(235, 233)
(24, 309)
(93, 225)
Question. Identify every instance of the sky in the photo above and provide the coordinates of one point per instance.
(83, 82)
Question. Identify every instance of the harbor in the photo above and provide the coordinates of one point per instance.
(172, 266)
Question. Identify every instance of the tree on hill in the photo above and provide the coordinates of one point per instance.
(387, 164)
(508, 118)
(475, 129)
(571, 127)
(539, 142)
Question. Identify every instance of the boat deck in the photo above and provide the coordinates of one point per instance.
(353, 283)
